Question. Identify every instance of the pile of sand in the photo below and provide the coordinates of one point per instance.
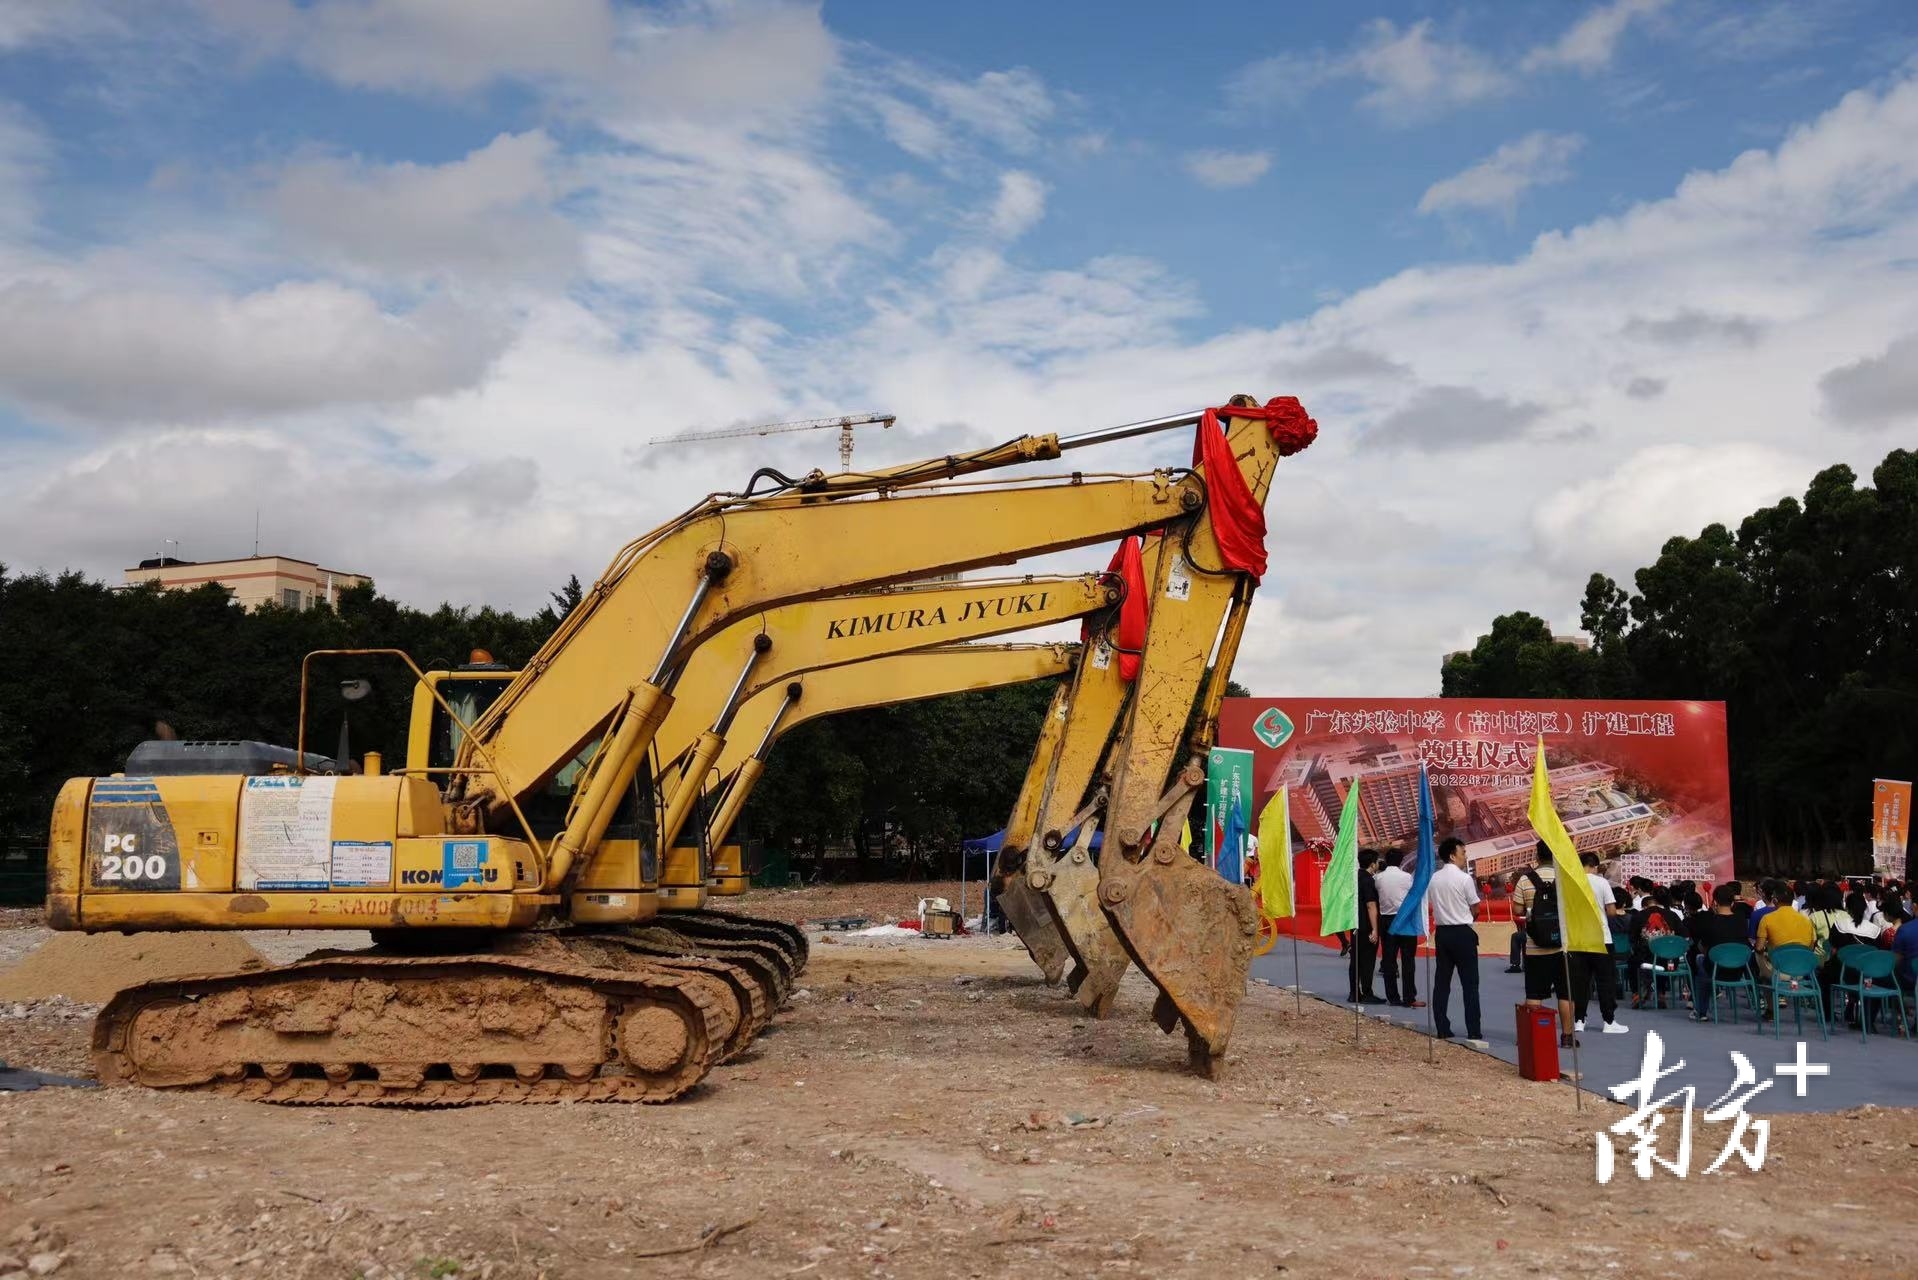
(90, 967)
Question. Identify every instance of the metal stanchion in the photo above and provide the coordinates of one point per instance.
(1578, 1076)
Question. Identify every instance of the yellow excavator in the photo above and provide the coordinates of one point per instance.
(498, 977)
(758, 960)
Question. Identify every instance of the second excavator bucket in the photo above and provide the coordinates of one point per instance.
(1027, 914)
(1072, 898)
(1191, 933)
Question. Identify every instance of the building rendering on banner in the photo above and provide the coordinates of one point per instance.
(1641, 785)
(251, 581)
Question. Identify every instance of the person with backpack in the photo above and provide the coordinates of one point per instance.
(1535, 910)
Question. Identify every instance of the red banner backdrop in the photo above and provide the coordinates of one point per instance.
(1642, 784)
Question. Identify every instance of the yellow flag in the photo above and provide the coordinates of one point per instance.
(1581, 922)
(1275, 858)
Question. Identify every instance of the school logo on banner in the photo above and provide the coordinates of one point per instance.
(1272, 727)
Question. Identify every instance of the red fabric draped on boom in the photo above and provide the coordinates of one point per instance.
(1128, 632)
(1238, 519)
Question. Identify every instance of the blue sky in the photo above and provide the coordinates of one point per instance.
(419, 276)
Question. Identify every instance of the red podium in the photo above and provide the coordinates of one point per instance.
(1538, 1042)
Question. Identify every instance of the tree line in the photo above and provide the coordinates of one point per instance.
(88, 671)
(1804, 622)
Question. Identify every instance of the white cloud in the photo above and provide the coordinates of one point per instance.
(1497, 182)
(1020, 204)
(1589, 44)
(950, 120)
(448, 46)
(698, 207)
(488, 215)
(135, 355)
(1009, 107)
(712, 61)
(1613, 519)
(1225, 170)
(1409, 72)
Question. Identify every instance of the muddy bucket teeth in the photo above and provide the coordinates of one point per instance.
(1034, 925)
(1192, 934)
(1072, 900)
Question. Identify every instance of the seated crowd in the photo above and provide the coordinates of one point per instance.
(1827, 915)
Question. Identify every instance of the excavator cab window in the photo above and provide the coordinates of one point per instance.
(469, 697)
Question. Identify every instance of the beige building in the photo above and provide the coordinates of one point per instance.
(253, 580)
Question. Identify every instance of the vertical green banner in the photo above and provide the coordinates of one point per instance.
(1228, 788)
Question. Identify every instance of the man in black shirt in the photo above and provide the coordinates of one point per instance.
(1365, 939)
(1720, 924)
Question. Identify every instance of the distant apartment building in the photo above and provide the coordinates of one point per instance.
(1313, 802)
(253, 580)
(1388, 794)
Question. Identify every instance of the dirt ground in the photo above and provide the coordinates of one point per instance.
(929, 1108)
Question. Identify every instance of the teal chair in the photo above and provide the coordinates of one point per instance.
(1794, 980)
(1847, 959)
(1873, 984)
(1622, 962)
(1667, 967)
(1732, 955)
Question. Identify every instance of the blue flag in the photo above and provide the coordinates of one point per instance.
(1231, 860)
(1410, 920)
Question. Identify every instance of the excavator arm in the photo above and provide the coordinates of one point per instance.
(877, 682)
(1061, 876)
(772, 647)
(1186, 928)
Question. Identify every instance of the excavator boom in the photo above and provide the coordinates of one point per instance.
(876, 682)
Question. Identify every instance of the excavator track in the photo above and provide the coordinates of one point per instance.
(762, 963)
(726, 927)
(370, 1029)
(749, 982)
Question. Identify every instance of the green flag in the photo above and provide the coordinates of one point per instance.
(1339, 890)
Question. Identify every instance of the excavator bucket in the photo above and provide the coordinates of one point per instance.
(1192, 934)
(1026, 911)
(1072, 897)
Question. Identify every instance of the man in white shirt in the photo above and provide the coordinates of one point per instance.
(1590, 970)
(1398, 957)
(1453, 897)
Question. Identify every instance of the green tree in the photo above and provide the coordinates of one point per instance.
(1804, 622)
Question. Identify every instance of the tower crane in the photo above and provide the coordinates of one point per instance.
(845, 423)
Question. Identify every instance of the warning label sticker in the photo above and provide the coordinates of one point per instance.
(361, 864)
(1178, 583)
(286, 825)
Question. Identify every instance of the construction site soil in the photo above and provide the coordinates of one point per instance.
(923, 1108)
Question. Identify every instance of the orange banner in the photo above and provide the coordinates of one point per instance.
(1890, 826)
